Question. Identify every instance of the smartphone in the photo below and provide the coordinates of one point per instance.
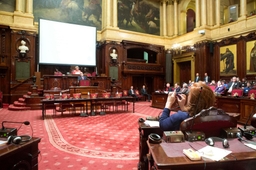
(178, 95)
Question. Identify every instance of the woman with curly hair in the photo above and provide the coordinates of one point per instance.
(200, 97)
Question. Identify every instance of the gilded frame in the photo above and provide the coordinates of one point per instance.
(251, 57)
(228, 60)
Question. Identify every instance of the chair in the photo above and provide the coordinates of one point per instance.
(212, 87)
(252, 91)
(125, 92)
(139, 96)
(211, 121)
(237, 92)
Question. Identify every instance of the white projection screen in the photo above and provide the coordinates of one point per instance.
(66, 44)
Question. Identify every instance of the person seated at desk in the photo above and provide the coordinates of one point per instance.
(82, 77)
(220, 88)
(131, 92)
(184, 89)
(200, 97)
(144, 92)
(168, 87)
(247, 88)
(76, 70)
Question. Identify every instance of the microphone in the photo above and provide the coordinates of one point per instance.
(25, 123)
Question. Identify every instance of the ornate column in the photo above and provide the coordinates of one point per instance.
(29, 6)
(203, 12)
(169, 18)
(243, 9)
(114, 13)
(175, 17)
(18, 5)
(198, 23)
(164, 17)
(217, 12)
(106, 13)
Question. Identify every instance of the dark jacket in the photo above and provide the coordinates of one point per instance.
(172, 122)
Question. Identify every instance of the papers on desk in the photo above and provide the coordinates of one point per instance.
(3, 142)
(152, 123)
(213, 153)
(253, 146)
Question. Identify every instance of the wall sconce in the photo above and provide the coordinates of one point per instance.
(177, 48)
(202, 32)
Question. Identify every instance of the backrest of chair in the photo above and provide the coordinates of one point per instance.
(237, 92)
(212, 87)
(137, 92)
(210, 121)
(125, 92)
(252, 91)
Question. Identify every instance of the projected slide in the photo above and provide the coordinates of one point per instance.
(66, 44)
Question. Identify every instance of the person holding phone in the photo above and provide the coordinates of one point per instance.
(199, 97)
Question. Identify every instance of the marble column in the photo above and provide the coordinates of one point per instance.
(114, 13)
(164, 17)
(18, 5)
(170, 18)
(203, 12)
(29, 6)
(243, 9)
(175, 17)
(198, 23)
(217, 12)
(108, 11)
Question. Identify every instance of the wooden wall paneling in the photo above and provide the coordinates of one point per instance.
(241, 58)
(5, 57)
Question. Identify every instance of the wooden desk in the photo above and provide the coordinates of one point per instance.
(21, 156)
(159, 100)
(242, 105)
(144, 131)
(242, 158)
(87, 101)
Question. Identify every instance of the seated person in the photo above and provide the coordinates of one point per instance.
(81, 77)
(168, 88)
(76, 70)
(200, 97)
(184, 89)
(177, 87)
(131, 92)
(57, 72)
(144, 92)
(247, 88)
(220, 88)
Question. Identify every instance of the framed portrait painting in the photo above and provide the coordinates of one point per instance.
(251, 57)
(228, 60)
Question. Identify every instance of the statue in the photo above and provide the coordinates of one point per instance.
(23, 48)
(113, 55)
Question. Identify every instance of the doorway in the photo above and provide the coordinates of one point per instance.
(185, 71)
(140, 80)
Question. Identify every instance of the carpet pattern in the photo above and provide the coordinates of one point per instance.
(108, 141)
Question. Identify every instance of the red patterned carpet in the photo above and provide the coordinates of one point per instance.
(108, 141)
